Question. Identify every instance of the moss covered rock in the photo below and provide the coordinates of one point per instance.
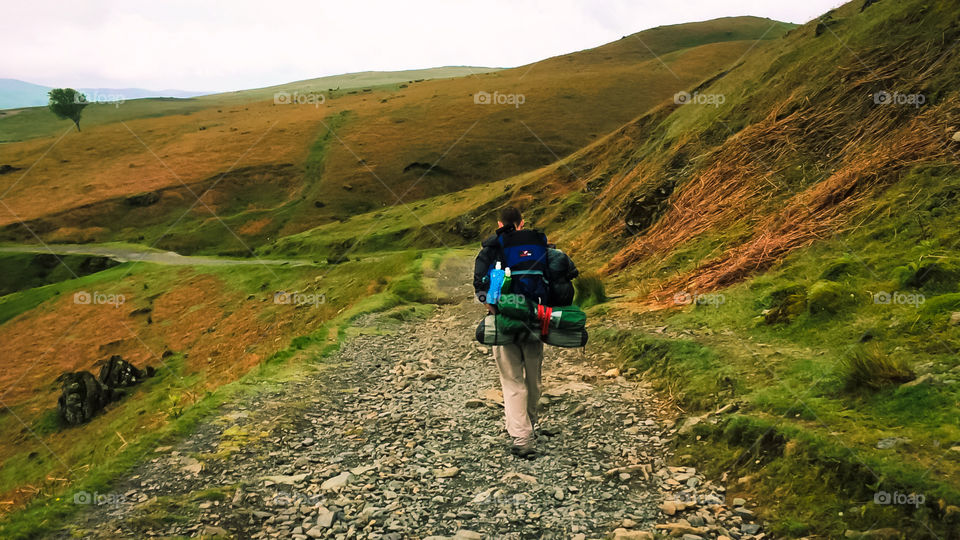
(829, 297)
(929, 275)
(785, 303)
(840, 268)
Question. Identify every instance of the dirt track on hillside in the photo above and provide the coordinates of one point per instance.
(131, 254)
(400, 435)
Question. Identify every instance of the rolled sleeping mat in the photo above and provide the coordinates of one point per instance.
(569, 338)
(567, 318)
(500, 330)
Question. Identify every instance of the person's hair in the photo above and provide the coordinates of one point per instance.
(510, 214)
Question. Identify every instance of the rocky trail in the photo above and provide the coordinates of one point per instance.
(400, 435)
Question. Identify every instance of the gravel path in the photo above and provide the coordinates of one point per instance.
(400, 435)
(135, 254)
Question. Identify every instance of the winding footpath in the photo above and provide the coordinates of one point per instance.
(400, 435)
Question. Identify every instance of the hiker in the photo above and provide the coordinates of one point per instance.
(524, 252)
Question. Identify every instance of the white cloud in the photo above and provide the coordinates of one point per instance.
(205, 45)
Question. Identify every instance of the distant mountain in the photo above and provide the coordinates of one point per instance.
(15, 93)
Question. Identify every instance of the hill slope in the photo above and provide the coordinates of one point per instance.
(370, 147)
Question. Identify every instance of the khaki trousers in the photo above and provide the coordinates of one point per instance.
(519, 365)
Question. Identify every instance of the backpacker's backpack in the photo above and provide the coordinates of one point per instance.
(524, 252)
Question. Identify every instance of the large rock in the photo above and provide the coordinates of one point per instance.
(325, 517)
(118, 373)
(336, 483)
(669, 508)
(447, 472)
(82, 396)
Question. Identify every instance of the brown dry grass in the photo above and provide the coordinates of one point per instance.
(742, 183)
(570, 101)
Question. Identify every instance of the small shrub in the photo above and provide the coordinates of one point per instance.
(589, 291)
(870, 367)
(409, 288)
(829, 297)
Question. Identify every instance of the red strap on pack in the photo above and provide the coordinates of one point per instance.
(543, 314)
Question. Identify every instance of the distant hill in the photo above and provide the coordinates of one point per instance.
(341, 146)
(360, 79)
(16, 93)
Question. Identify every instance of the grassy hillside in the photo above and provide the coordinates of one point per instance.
(269, 170)
(790, 252)
(31, 122)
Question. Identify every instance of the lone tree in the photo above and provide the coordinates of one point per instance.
(67, 103)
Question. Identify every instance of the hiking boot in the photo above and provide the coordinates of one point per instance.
(524, 448)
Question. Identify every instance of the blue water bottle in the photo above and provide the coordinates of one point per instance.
(496, 282)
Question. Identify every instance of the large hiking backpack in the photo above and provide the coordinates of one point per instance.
(524, 252)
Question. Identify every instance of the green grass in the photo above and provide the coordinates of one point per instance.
(22, 301)
(348, 296)
(589, 291)
(826, 378)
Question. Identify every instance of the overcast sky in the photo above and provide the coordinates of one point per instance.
(237, 44)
